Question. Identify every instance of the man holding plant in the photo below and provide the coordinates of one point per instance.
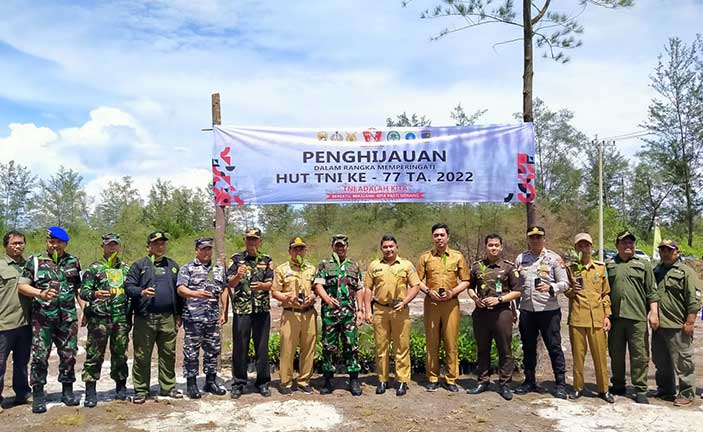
(589, 312)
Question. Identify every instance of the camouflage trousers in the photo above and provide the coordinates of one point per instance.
(339, 328)
(63, 334)
(205, 335)
(99, 331)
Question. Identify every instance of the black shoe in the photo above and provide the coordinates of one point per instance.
(452, 388)
(121, 390)
(285, 391)
(355, 387)
(607, 397)
(641, 399)
(526, 387)
(620, 391)
(264, 390)
(237, 391)
(576, 394)
(381, 388)
(67, 396)
(192, 388)
(402, 389)
(211, 385)
(560, 392)
(38, 400)
(432, 387)
(91, 396)
(480, 388)
(327, 387)
(664, 395)
(306, 389)
(22, 400)
(505, 392)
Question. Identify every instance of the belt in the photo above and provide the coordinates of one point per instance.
(307, 309)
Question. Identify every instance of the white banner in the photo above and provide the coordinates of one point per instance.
(492, 163)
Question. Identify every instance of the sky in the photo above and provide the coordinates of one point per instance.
(122, 88)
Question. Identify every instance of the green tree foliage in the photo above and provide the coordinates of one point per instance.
(62, 200)
(675, 118)
(179, 211)
(115, 199)
(615, 175)
(646, 196)
(16, 186)
(402, 120)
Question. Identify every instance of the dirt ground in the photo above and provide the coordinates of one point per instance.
(417, 411)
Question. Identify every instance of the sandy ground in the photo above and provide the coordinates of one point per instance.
(417, 411)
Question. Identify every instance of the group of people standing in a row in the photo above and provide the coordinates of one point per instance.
(610, 304)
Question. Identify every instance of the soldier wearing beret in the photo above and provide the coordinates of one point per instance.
(151, 283)
(634, 302)
(679, 292)
(339, 285)
(250, 277)
(108, 318)
(53, 280)
(202, 285)
(544, 276)
(292, 286)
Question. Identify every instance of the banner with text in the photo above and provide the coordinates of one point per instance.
(492, 163)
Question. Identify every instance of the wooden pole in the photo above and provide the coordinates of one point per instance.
(219, 210)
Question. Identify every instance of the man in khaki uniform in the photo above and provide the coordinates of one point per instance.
(589, 312)
(392, 283)
(633, 300)
(679, 294)
(292, 286)
(446, 275)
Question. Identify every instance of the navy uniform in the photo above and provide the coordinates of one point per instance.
(201, 318)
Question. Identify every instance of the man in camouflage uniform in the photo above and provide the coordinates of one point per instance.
(107, 316)
(53, 280)
(250, 277)
(339, 285)
(201, 283)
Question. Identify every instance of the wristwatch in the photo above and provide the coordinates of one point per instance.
(500, 299)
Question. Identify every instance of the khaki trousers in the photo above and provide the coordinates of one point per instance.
(297, 329)
(442, 323)
(583, 338)
(390, 325)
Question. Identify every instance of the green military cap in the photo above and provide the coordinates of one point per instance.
(156, 235)
(625, 234)
(535, 230)
(110, 238)
(340, 238)
(203, 242)
(252, 232)
(671, 244)
(296, 242)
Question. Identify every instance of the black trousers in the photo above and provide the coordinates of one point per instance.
(489, 325)
(547, 324)
(19, 342)
(244, 328)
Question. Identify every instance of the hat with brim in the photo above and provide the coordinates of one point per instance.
(340, 239)
(203, 242)
(583, 236)
(625, 234)
(110, 238)
(535, 230)
(157, 235)
(252, 232)
(671, 244)
(296, 242)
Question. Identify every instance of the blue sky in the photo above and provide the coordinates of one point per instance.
(115, 88)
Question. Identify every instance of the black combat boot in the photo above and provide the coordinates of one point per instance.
(529, 385)
(91, 395)
(560, 388)
(354, 384)
(121, 390)
(211, 385)
(67, 396)
(38, 400)
(327, 387)
(192, 388)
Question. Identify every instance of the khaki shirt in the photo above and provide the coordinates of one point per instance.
(589, 306)
(444, 271)
(550, 268)
(389, 282)
(632, 287)
(14, 307)
(293, 278)
(679, 292)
